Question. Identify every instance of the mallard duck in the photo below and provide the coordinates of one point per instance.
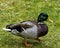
(30, 29)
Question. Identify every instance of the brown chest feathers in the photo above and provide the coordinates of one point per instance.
(42, 30)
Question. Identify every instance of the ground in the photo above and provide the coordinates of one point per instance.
(14, 11)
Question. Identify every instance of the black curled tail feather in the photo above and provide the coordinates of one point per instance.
(15, 26)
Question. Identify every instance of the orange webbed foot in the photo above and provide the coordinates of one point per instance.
(38, 39)
(26, 44)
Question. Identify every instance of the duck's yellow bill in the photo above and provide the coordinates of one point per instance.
(50, 20)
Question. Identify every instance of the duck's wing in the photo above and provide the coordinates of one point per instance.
(24, 25)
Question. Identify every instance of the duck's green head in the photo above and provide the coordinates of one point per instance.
(42, 17)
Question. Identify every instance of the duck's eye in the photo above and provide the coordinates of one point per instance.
(42, 17)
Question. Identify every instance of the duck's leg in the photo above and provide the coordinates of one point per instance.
(38, 39)
(26, 44)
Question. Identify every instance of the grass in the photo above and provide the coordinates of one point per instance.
(13, 11)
